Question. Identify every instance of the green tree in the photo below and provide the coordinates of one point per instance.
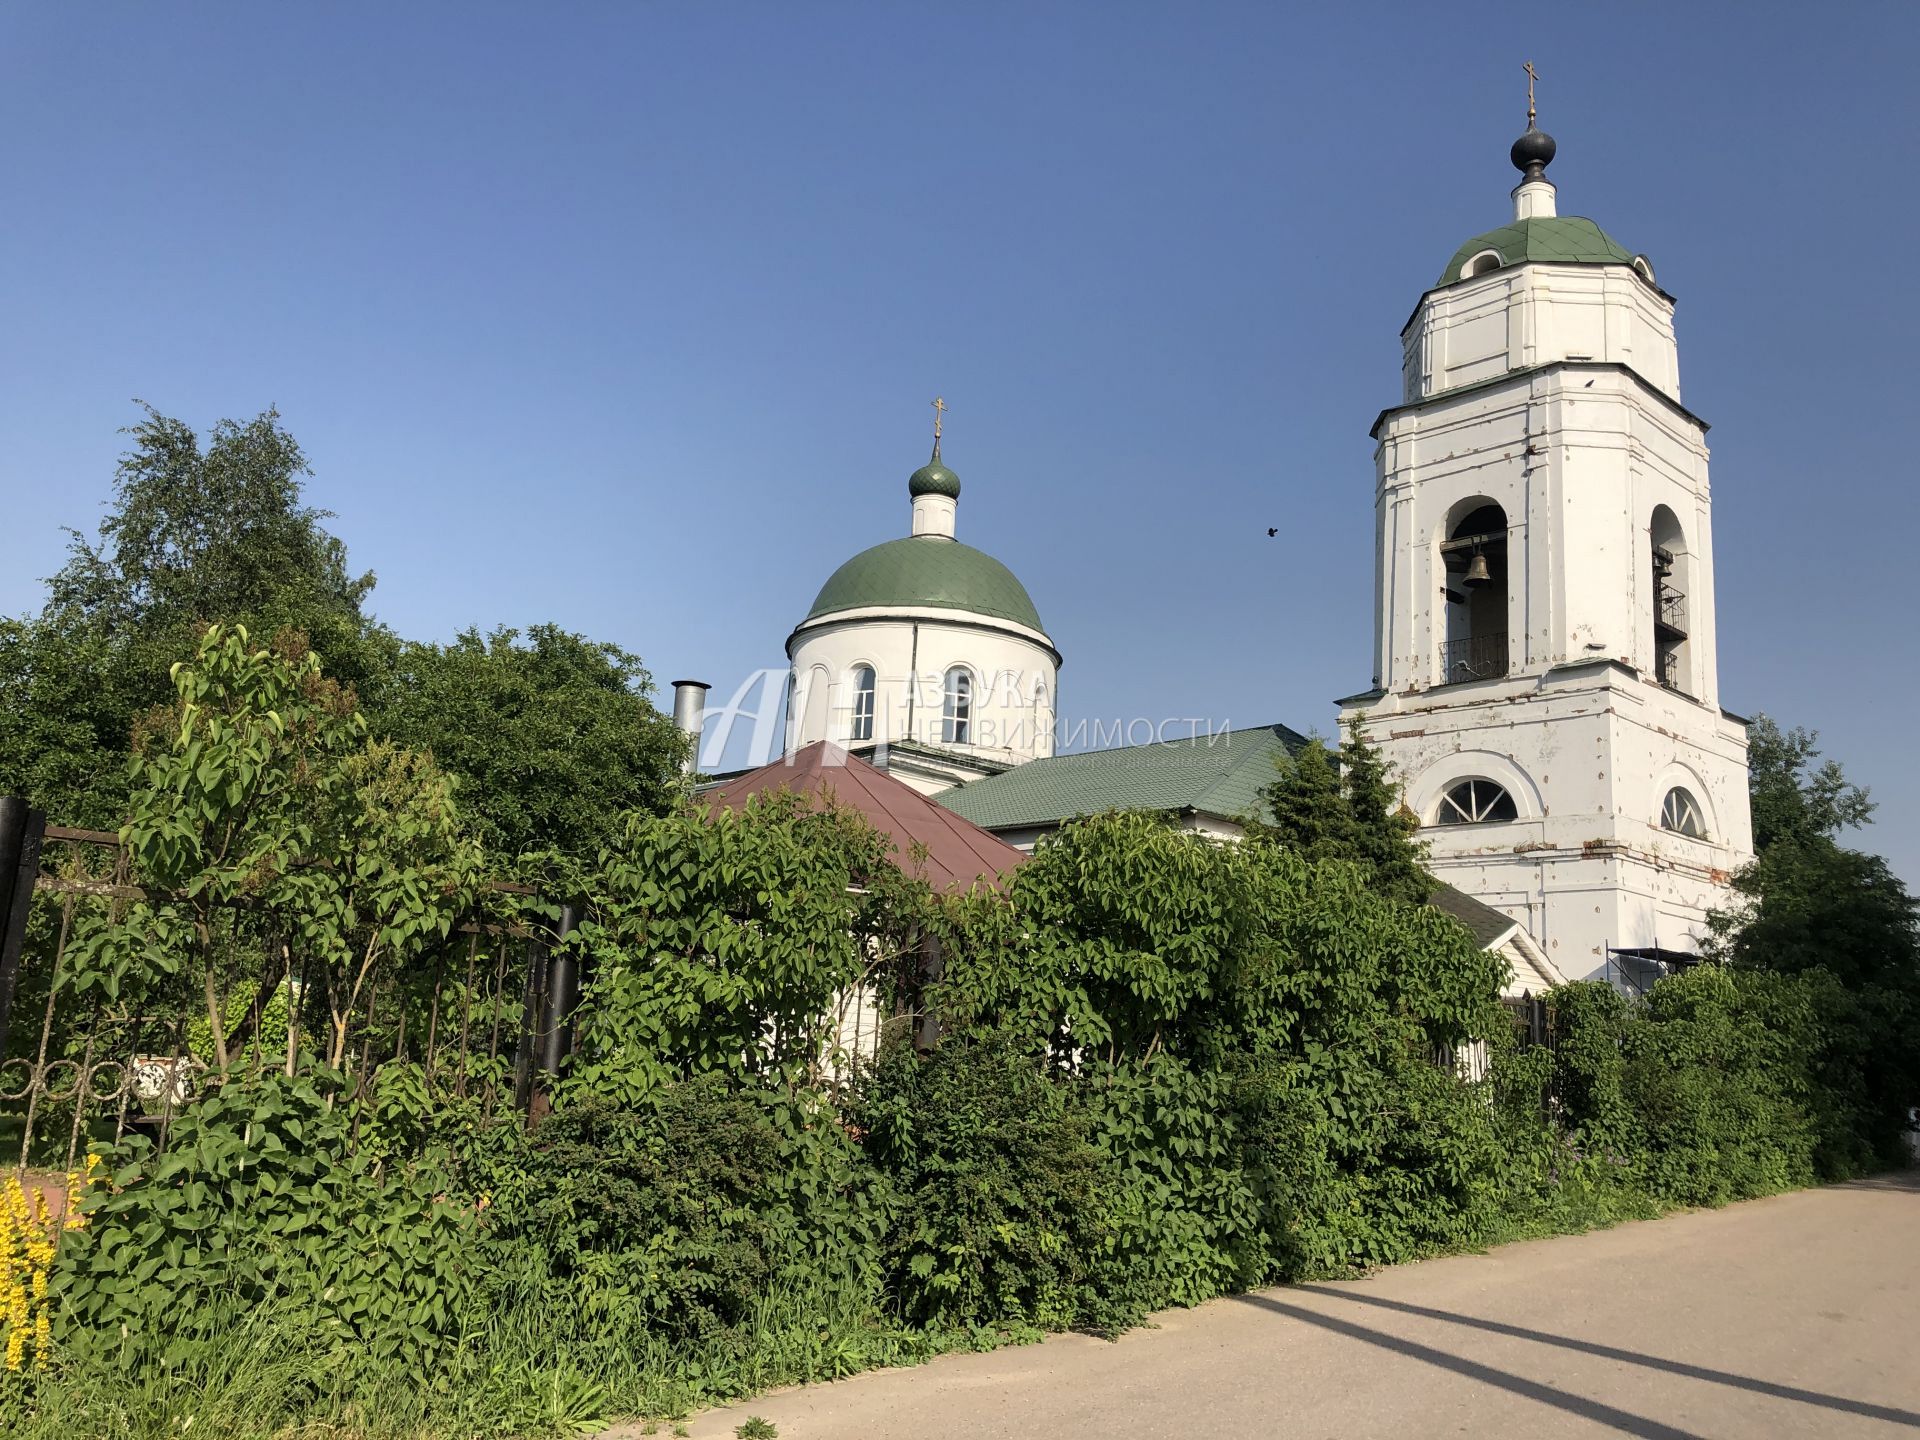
(730, 943)
(1794, 800)
(1809, 905)
(67, 702)
(1807, 900)
(1346, 807)
(553, 738)
(195, 533)
(1309, 804)
(269, 837)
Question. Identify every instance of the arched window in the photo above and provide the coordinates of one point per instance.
(1672, 581)
(863, 702)
(1680, 813)
(1474, 586)
(1484, 263)
(1644, 269)
(956, 713)
(1476, 802)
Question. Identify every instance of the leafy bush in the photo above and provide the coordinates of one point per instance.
(264, 822)
(674, 1217)
(262, 1208)
(1719, 1084)
(1590, 1065)
(1002, 1196)
(1187, 1224)
(662, 1210)
(718, 944)
(1717, 1091)
(1256, 1037)
(1413, 1163)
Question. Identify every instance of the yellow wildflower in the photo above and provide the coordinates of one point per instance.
(29, 1235)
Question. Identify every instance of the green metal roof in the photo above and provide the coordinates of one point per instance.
(927, 570)
(1563, 239)
(1220, 775)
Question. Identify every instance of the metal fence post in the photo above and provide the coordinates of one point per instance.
(563, 994)
(532, 1002)
(21, 830)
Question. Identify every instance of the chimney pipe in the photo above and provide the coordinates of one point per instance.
(689, 712)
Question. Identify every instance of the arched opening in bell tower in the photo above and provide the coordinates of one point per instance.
(1672, 583)
(1474, 587)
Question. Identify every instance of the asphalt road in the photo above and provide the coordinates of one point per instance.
(1793, 1316)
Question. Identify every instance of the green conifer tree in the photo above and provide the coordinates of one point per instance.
(1345, 806)
(1386, 831)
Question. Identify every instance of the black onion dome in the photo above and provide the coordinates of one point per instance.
(1532, 153)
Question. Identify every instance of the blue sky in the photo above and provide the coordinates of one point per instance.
(628, 316)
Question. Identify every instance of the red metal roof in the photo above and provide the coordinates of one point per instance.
(958, 851)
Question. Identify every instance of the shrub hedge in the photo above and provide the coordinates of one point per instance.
(1167, 1070)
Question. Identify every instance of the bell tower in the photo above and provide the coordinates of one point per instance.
(1544, 669)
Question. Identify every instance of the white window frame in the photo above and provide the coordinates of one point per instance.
(1674, 816)
(1483, 796)
(861, 728)
(956, 706)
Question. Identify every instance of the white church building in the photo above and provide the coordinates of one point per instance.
(1544, 680)
(925, 651)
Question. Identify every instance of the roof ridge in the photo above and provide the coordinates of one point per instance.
(1249, 757)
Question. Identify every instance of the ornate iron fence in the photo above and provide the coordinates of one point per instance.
(78, 1070)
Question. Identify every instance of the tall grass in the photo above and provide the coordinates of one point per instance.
(526, 1367)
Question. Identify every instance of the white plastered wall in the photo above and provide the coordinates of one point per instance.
(1520, 316)
(1579, 457)
(1014, 669)
(1588, 755)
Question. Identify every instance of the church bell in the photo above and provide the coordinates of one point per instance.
(1477, 572)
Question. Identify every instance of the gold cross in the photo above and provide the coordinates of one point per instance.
(1531, 77)
(939, 410)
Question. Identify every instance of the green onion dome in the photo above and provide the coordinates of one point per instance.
(934, 478)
